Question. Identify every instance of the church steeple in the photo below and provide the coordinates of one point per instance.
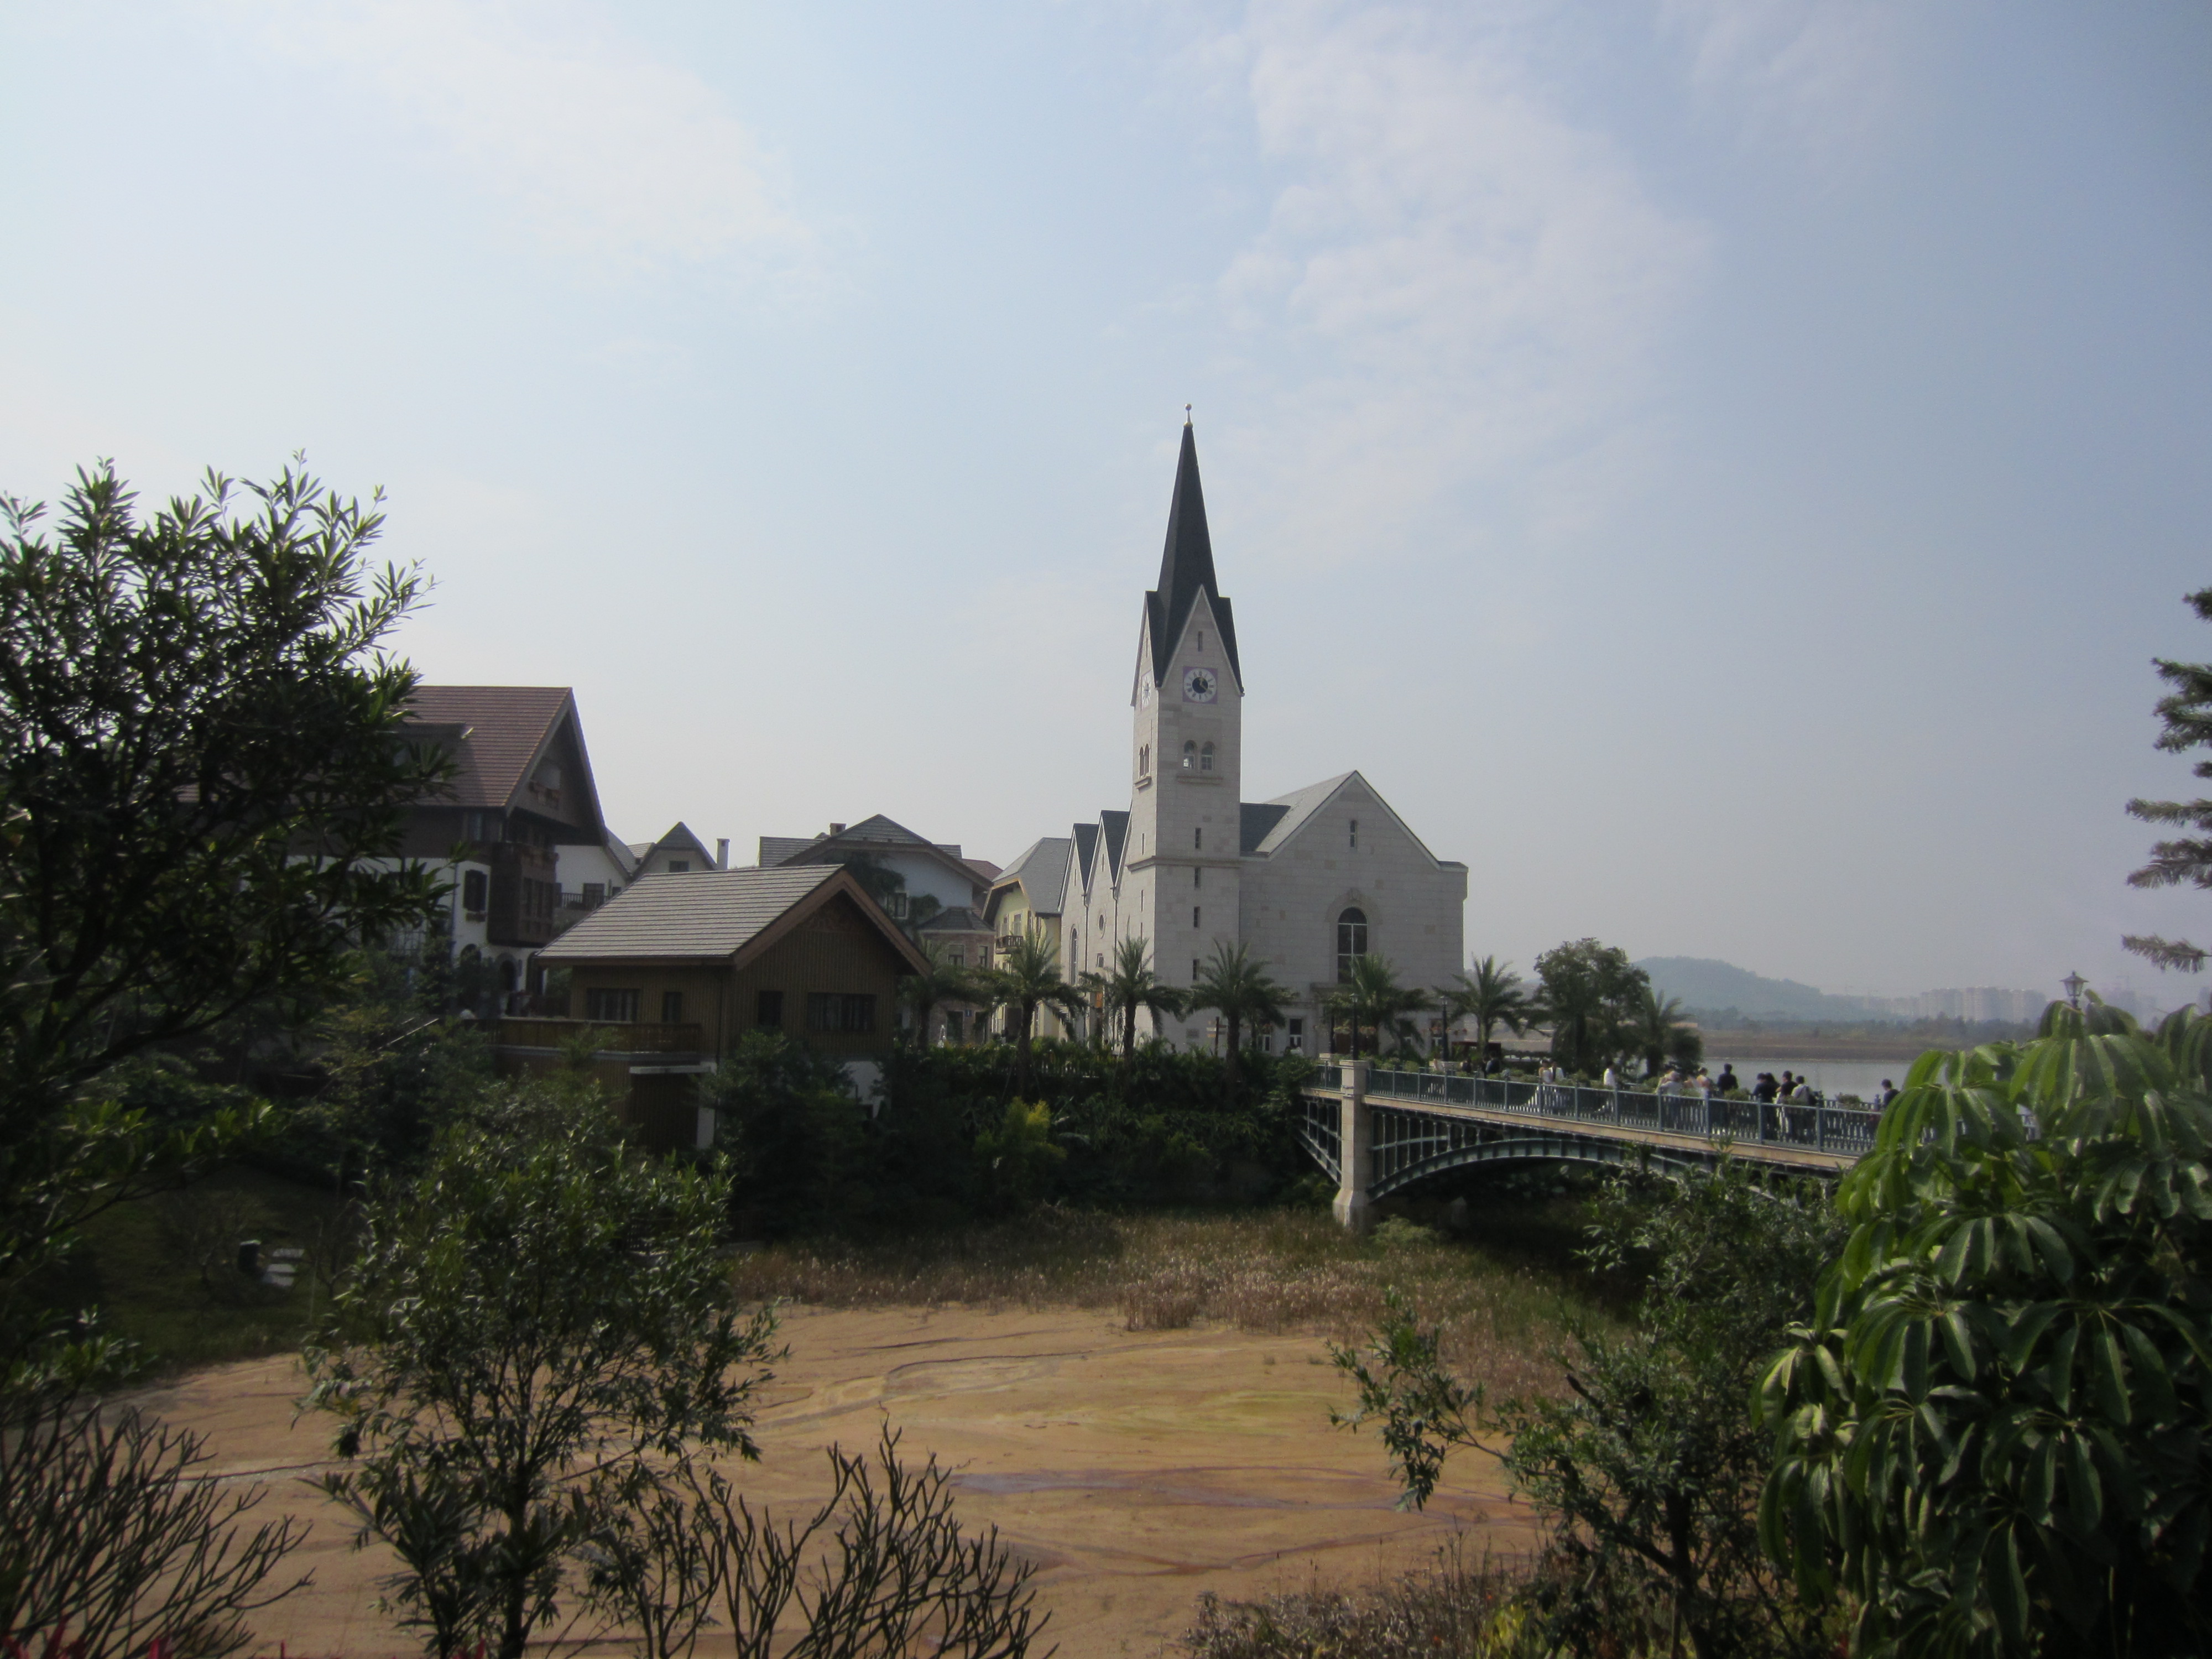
(1186, 569)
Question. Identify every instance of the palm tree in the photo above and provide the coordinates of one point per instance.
(1372, 995)
(1492, 995)
(1027, 977)
(1657, 1029)
(920, 994)
(1240, 989)
(1130, 986)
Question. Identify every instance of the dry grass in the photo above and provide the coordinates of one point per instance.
(1460, 1608)
(1282, 1270)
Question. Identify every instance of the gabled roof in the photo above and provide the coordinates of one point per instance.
(679, 836)
(1186, 571)
(498, 736)
(1256, 819)
(1114, 827)
(1041, 874)
(1086, 866)
(1276, 821)
(715, 916)
(877, 834)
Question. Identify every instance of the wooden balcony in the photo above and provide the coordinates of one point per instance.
(634, 1037)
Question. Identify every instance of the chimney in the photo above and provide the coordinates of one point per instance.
(722, 853)
(837, 829)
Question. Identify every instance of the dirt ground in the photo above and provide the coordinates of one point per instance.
(1138, 1468)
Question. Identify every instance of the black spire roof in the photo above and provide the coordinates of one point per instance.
(1186, 570)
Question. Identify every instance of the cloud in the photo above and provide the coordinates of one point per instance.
(603, 153)
(1463, 281)
(1821, 75)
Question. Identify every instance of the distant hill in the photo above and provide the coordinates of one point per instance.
(1706, 986)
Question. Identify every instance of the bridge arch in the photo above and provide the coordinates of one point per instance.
(1532, 1149)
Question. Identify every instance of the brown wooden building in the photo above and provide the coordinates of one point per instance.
(678, 968)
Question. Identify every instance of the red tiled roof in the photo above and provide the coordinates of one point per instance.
(507, 725)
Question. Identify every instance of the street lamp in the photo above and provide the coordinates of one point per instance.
(2074, 984)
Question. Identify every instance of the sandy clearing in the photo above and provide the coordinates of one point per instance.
(1139, 1468)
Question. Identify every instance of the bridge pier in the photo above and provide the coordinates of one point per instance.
(1355, 1135)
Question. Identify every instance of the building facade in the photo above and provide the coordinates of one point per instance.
(1306, 880)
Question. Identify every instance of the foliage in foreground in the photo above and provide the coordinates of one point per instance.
(186, 701)
(2185, 713)
(114, 1540)
(534, 1328)
(1648, 1473)
(1995, 1432)
(1453, 1610)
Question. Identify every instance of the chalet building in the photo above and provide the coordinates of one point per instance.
(681, 966)
(678, 853)
(919, 876)
(521, 803)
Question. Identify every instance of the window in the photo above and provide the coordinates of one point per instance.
(676, 866)
(842, 1012)
(671, 1007)
(1201, 639)
(768, 1008)
(595, 894)
(1197, 872)
(474, 887)
(1189, 755)
(1205, 758)
(957, 959)
(953, 1020)
(612, 1007)
(1198, 840)
(1193, 980)
(1351, 942)
(1296, 1042)
(1144, 760)
(1355, 835)
(897, 906)
(1194, 915)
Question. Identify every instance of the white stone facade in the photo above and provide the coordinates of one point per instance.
(1192, 866)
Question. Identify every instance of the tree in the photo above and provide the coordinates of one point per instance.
(1373, 996)
(2186, 713)
(1240, 990)
(1992, 1435)
(1131, 986)
(1649, 1472)
(205, 770)
(1492, 995)
(1591, 992)
(1658, 1030)
(1026, 978)
(941, 982)
(533, 1328)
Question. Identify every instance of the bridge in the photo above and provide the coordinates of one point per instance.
(1403, 1127)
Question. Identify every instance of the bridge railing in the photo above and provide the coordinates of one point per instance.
(1846, 1130)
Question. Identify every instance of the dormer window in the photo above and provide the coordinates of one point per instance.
(1205, 758)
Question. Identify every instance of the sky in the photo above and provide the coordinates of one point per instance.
(1720, 468)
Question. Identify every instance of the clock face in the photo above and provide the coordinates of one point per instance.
(1199, 685)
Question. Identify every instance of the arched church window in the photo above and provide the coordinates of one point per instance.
(1351, 942)
(1205, 758)
(1189, 755)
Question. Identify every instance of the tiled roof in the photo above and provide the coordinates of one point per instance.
(776, 849)
(699, 914)
(869, 835)
(506, 727)
(1257, 818)
(955, 919)
(1086, 853)
(1042, 872)
(1291, 810)
(1116, 824)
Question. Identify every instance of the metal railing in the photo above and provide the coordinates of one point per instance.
(1321, 1127)
(1846, 1130)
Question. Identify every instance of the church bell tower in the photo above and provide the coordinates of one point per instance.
(1186, 759)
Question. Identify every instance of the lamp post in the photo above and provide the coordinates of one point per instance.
(2074, 985)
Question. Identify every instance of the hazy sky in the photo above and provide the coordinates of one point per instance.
(1719, 469)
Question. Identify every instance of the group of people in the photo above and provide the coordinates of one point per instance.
(1788, 1090)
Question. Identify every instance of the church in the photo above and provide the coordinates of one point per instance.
(1306, 880)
